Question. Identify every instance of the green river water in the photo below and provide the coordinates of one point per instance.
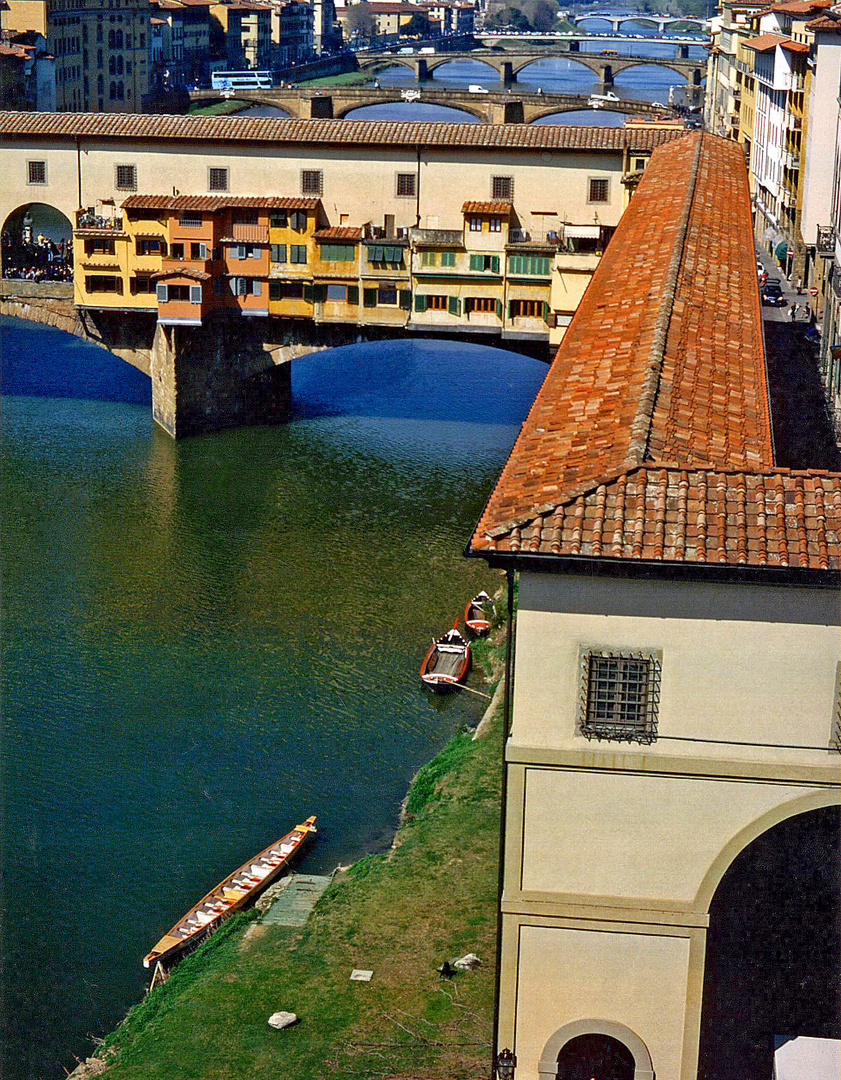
(204, 641)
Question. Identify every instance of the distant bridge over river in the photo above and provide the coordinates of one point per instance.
(495, 107)
(510, 63)
(618, 19)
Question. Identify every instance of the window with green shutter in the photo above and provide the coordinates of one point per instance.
(369, 297)
(278, 219)
(429, 258)
(298, 254)
(338, 252)
(274, 290)
(375, 254)
(499, 309)
(453, 305)
(278, 253)
(477, 262)
(406, 299)
(494, 264)
(420, 302)
(319, 293)
(353, 294)
(448, 258)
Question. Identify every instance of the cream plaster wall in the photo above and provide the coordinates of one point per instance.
(739, 663)
(629, 835)
(567, 974)
(359, 182)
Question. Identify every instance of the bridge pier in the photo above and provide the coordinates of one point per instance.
(606, 73)
(683, 52)
(508, 76)
(422, 69)
(321, 107)
(218, 375)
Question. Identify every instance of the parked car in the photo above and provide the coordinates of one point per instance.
(772, 295)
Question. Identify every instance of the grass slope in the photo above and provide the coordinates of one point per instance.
(401, 914)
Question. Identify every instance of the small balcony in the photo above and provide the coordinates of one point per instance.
(249, 234)
(825, 245)
(91, 222)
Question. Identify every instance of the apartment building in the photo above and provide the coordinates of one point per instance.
(293, 40)
(728, 69)
(100, 50)
(248, 33)
(181, 44)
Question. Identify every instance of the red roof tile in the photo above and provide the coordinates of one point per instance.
(339, 232)
(829, 22)
(216, 202)
(269, 129)
(498, 207)
(650, 437)
(765, 42)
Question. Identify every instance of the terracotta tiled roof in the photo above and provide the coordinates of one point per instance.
(777, 518)
(765, 42)
(651, 437)
(498, 207)
(185, 271)
(828, 22)
(216, 202)
(269, 129)
(795, 46)
(795, 7)
(339, 232)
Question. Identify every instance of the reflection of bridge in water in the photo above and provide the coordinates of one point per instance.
(510, 63)
(494, 107)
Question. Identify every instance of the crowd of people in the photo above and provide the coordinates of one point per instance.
(37, 259)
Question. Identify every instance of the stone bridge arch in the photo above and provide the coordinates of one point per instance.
(660, 62)
(387, 62)
(486, 61)
(344, 110)
(22, 226)
(595, 66)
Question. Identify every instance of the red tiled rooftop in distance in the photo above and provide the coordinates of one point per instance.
(497, 207)
(266, 129)
(216, 202)
(339, 232)
(650, 437)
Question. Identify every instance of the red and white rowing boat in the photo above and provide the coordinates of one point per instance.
(446, 661)
(477, 614)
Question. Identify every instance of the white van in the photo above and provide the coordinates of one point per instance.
(475, 88)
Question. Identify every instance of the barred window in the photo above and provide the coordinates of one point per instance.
(37, 172)
(125, 177)
(599, 190)
(502, 187)
(619, 695)
(312, 181)
(406, 185)
(217, 179)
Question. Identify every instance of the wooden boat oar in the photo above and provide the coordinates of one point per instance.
(479, 693)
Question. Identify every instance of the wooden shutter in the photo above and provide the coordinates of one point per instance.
(499, 309)
(477, 262)
(369, 297)
(308, 292)
(162, 293)
(406, 299)
(319, 293)
(256, 288)
(453, 305)
(353, 294)
(495, 264)
(195, 294)
(278, 253)
(420, 302)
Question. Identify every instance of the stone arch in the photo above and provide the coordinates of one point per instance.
(592, 66)
(816, 800)
(618, 107)
(485, 62)
(394, 99)
(46, 219)
(548, 1065)
(393, 61)
(659, 62)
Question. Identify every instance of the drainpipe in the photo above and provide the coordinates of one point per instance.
(506, 726)
(79, 170)
(417, 187)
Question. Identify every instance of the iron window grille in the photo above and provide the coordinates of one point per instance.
(37, 172)
(125, 178)
(312, 181)
(619, 695)
(217, 179)
(502, 187)
(599, 190)
(406, 185)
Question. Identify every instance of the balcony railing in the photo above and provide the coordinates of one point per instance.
(250, 234)
(89, 219)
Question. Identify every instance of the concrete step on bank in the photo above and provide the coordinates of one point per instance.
(294, 904)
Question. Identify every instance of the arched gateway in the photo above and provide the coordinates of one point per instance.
(595, 1050)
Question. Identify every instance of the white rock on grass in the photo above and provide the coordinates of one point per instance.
(282, 1020)
(468, 962)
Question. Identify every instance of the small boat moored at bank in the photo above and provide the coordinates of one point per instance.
(477, 613)
(231, 894)
(446, 661)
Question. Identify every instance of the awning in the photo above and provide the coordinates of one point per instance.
(582, 232)
(781, 250)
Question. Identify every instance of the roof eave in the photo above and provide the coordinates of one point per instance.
(716, 573)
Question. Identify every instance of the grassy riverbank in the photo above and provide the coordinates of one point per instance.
(401, 914)
(218, 108)
(347, 78)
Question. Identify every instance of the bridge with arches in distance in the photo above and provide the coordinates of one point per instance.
(495, 107)
(640, 17)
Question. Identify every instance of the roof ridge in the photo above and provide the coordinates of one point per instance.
(641, 426)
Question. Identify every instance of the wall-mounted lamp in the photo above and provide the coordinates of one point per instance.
(505, 1064)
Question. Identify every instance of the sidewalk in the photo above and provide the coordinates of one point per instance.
(803, 436)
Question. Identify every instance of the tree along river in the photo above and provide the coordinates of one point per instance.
(205, 641)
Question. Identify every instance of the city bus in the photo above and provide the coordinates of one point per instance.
(241, 80)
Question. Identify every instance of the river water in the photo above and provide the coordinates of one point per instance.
(205, 641)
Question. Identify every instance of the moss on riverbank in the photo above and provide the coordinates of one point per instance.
(401, 914)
